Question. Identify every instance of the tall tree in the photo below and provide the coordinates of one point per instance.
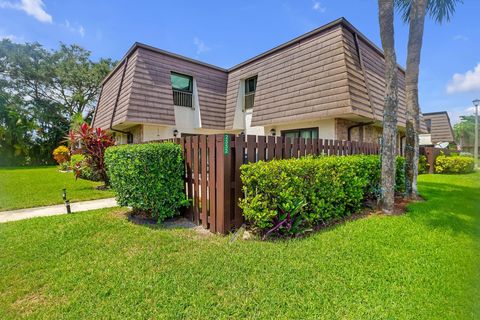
(389, 138)
(49, 88)
(414, 12)
(465, 131)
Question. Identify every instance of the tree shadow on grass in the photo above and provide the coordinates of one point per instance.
(448, 206)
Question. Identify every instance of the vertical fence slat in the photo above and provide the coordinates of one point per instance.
(288, 148)
(295, 147)
(251, 144)
(196, 180)
(261, 148)
(212, 180)
(270, 147)
(308, 147)
(203, 160)
(279, 148)
(315, 147)
(302, 147)
(239, 159)
(188, 146)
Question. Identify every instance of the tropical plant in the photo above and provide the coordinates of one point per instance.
(61, 154)
(389, 136)
(289, 221)
(92, 143)
(414, 11)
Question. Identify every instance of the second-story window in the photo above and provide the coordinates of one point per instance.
(250, 87)
(182, 86)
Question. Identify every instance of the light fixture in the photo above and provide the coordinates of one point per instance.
(476, 102)
(273, 132)
(175, 133)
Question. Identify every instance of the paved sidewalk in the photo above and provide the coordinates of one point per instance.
(21, 214)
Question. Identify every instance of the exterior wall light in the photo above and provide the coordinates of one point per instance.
(175, 133)
(273, 132)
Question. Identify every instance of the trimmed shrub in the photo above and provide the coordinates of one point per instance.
(148, 177)
(423, 165)
(455, 164)
(319, 189)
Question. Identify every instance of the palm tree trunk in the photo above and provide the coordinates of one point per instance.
(415, 39)
(389, 138)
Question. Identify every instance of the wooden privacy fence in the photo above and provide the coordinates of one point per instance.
(212, 169)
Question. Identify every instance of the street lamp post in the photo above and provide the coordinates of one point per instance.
(476, 103)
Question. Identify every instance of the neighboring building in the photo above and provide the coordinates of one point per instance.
(328, 83)
(438, 127)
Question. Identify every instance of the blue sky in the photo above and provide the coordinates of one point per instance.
(225, 33)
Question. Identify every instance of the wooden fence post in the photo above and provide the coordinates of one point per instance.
(224, 181)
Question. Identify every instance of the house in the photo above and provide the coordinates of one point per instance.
(328, 83)
(438, 127)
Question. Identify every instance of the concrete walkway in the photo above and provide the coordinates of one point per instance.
(21, 214)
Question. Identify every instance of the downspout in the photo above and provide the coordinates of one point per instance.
(349, 129)
(116, 101)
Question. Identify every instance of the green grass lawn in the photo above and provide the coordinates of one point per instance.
(41, 186)
(422, 265)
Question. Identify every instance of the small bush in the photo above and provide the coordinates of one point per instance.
(423, 165)
(456, 164)
(148, 177)
(82, 169)
(61, 154)
(326, 187)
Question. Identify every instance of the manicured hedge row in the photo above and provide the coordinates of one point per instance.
(327, 187)
(148, 177)
(454, 164)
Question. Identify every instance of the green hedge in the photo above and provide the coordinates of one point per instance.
(328, 187)
(454, 164)
(148, 177)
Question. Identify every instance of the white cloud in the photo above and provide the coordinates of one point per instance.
(466, 82)
(34, 8)
(201, 46)
(75, 29)
(317, 6)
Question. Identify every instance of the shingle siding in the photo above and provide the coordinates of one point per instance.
(316, 76)
(441, 128)
(304, 80)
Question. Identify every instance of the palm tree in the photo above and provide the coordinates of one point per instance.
(414, 12)
(389, 139)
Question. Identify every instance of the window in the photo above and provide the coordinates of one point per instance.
(182, 86)
(250, 87)
(309, 133)
(428, 123)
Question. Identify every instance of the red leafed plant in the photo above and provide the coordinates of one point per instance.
(91, 142)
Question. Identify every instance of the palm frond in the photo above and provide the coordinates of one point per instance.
(439, 10)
